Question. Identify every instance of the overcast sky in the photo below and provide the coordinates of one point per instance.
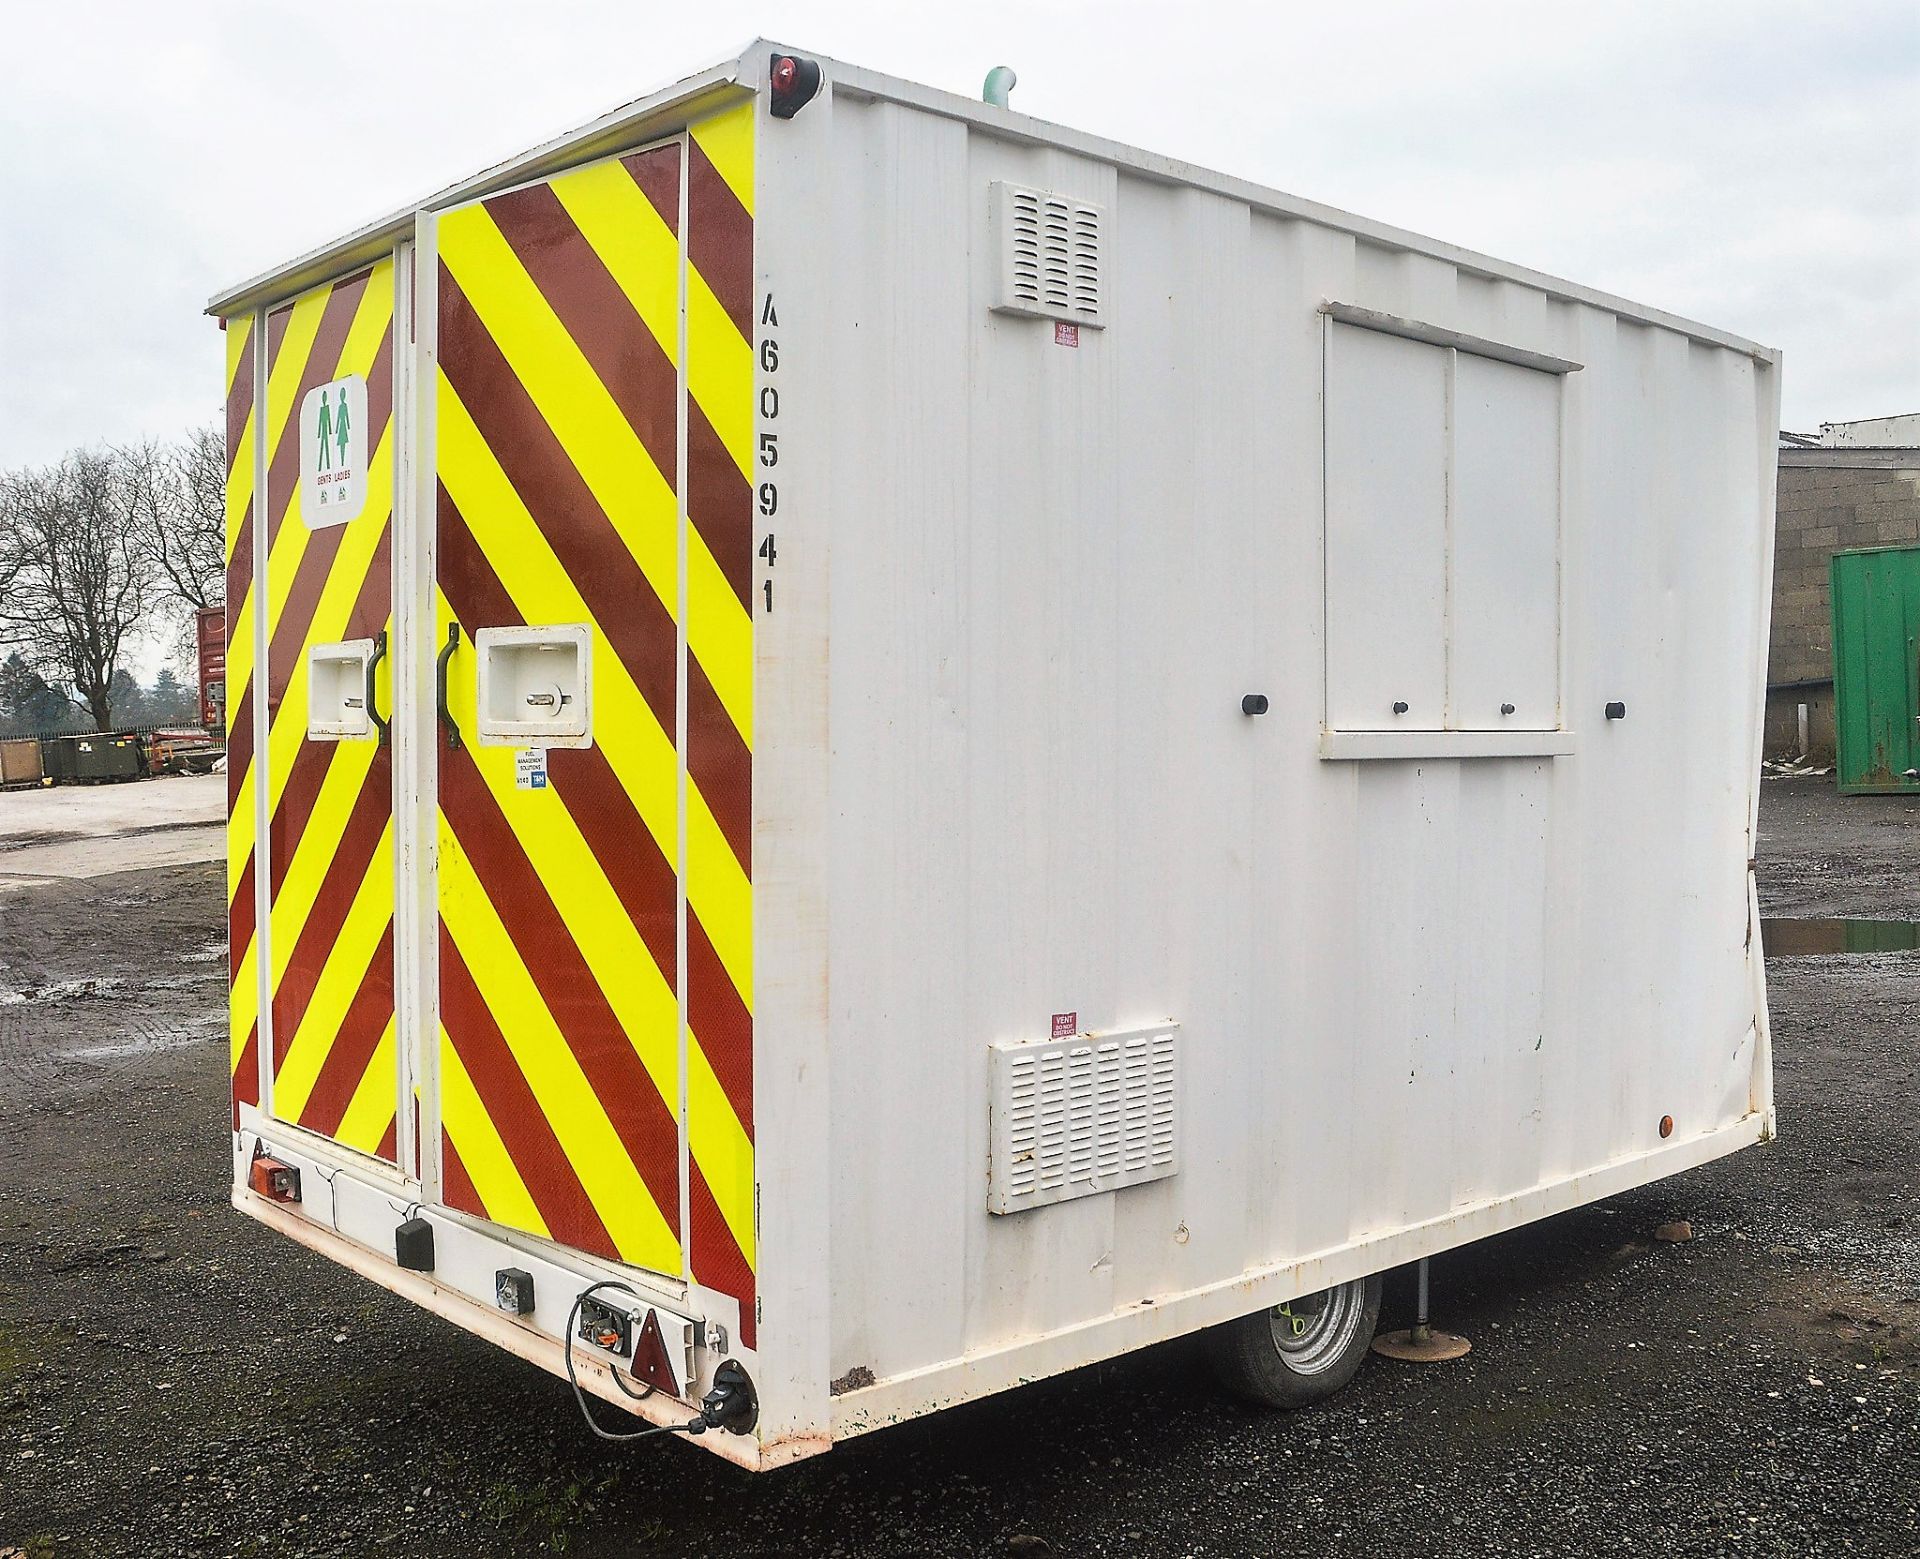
(1756, 166)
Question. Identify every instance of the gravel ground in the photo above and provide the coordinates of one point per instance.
(175, 1380)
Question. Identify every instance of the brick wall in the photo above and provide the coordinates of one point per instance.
(1828, 500)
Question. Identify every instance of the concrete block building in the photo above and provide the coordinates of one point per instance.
(1851, 485)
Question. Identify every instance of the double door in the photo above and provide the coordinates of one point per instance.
(503, 782)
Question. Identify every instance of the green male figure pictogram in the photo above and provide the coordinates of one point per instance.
(326, 434)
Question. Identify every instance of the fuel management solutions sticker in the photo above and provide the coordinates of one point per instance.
(530, 769)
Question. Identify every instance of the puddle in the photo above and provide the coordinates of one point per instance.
(28, 839)
(123, 1049)
(180, 982)
(127, 1045)
(139, 1045)
(59, 991)
(1784, 937)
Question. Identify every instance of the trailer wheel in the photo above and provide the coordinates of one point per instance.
(1299, 1352)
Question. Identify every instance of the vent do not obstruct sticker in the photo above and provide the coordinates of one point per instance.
(333, 452)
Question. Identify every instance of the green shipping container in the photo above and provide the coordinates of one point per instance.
(1876, 669)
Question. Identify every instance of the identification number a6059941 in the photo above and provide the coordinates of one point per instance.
(767, 443)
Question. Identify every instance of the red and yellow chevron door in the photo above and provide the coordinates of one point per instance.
(329, 798)
(596, 929)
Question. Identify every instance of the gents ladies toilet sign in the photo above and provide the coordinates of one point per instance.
(333, 452)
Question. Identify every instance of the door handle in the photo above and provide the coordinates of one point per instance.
(373, 706)
(440, 683)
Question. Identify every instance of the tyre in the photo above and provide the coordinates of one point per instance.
(1299, 1352)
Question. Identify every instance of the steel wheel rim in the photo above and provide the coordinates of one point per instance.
(1313, 1332)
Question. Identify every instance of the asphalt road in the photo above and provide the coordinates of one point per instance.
(174, 1380)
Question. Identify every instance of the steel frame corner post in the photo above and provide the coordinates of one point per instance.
(794, 287)
(416, 890)
(261, 718)
(1766, 375)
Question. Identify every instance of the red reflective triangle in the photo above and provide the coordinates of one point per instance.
(652, 1364)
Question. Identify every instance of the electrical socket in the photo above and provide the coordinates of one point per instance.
(608, 1326)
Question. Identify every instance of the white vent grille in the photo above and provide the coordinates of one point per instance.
(1052, 255)
(1072, 1117)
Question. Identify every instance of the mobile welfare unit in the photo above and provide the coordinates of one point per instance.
(879, 749)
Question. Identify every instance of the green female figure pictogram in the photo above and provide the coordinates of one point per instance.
(342, 425)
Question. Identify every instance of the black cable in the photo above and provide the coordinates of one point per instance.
(694, 1425)
(637, 1396)
(628, 1391)
(333, 1202)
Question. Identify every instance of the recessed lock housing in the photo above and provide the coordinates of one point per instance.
(337, 707)
(536, 686)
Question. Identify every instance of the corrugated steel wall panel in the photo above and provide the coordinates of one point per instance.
(1407, 987)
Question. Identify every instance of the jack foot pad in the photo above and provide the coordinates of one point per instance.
(1421, 1345)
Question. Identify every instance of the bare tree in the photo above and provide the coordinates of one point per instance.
(76, 584)
(11, 550)
(183, 519)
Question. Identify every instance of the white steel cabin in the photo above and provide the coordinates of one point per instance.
(907, 748)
